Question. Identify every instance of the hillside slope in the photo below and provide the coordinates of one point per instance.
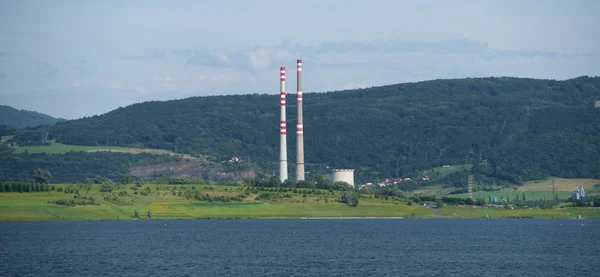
(525, 128)
(21, 119)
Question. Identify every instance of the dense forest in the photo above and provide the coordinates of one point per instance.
(522, 128)
(20, 119)
(72, 167)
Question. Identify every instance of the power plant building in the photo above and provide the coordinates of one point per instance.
(343, 175)
(578, 194)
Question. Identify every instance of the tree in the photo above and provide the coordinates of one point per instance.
(41, 176)
(126, 179)
(149, 214)
(480, 201)
(469, 201)
(439, 204)
(349, 199)
(524, 199)
(288, 183)
(107, 186)
(305, 184)
(136, 214)
(341, 185)
(323, 182)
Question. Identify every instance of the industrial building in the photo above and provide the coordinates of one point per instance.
(578, 194)
(343, 175)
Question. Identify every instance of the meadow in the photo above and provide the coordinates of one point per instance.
(511, 194)
(169, 202)
(565, 213)
(59, 148)
(533, 190)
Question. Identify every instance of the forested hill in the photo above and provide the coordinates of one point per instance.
(21, 119)
(523, 128)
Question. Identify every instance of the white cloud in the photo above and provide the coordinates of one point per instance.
(99, 56)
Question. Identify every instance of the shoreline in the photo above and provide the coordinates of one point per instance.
(291, 218)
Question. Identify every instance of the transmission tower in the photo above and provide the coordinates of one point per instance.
(470, 183)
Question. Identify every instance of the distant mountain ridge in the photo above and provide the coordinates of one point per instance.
(517, 129)
(20, 119)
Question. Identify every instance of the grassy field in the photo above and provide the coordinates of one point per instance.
(467, 212)
(534, 190)
(529, 195)
(560, 184)
(165, 203)
(59, 148)
(439, 173)
(284, 210)
(541, 189)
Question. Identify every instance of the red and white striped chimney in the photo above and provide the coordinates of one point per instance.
(283, 174)
(300, 128)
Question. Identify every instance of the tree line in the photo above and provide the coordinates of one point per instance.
(524, 128)
(23, 187)
(72, 167)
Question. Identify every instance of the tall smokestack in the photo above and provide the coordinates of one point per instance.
(283, 174)
(300, 130)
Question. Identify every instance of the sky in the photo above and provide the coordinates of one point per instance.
(79, 58)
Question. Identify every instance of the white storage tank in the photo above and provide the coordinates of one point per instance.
(343, 175)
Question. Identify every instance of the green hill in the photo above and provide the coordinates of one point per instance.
(21, 119)
(523, 128)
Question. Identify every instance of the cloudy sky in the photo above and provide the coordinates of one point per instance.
(79, 58)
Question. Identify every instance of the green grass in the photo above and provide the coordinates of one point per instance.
(529, 195)
(284, 210)
(436, 174)
(59, 148)
(540, 189)
(467, 212)
(534, 190)
(439, 173)
(164, 205)
(561, 184)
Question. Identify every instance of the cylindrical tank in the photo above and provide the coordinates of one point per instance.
(343, 175)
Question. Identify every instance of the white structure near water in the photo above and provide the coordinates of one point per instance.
(343, 175)
(578, 194)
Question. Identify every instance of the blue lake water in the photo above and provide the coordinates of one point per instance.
(332, 247)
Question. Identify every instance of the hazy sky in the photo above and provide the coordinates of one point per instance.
(79, 58)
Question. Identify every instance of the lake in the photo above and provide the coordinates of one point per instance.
(328, 247)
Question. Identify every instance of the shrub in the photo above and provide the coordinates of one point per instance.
(273, 196)
(107, 186)
(349, 199)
